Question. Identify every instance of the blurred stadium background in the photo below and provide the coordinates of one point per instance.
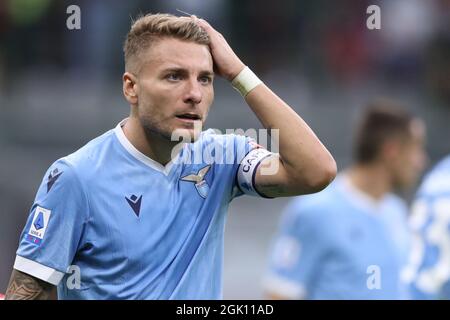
(60, 88)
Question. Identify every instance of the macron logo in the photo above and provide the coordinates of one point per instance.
(52, 177)
(135, 203)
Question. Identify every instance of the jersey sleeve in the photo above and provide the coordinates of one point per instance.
(249, 157)
(53, 231)
(296, 253)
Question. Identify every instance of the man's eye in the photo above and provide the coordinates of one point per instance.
(205, 80)
(173, 77)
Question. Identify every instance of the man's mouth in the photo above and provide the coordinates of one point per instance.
(189, 116)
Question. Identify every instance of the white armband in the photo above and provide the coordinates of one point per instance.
(247, 171)
(38, 270)
(245, 81)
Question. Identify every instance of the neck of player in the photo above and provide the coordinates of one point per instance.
(153, 146)
(373, 180)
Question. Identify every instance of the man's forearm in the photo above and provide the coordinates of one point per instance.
(25, 287)
(302, 153)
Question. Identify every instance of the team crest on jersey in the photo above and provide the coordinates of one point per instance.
(199, 180)
(38, 226)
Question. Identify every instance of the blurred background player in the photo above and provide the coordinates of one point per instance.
(351, 240)
(429, 267)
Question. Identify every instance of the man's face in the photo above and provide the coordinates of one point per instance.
(410, 159)
(175, 88)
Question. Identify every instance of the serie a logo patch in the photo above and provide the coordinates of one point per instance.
(38, 226)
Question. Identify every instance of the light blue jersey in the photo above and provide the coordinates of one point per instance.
(132, 228)
(340, 244)
(429, 268)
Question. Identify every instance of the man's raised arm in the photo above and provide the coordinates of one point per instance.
(304, 164)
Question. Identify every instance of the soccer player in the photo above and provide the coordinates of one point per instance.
(129, 216)
(351, 240)
(429, 267)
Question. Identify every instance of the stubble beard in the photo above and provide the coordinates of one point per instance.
(152, 129)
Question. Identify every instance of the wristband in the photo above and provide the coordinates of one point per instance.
(245, 81)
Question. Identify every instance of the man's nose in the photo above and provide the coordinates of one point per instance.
(193, 94)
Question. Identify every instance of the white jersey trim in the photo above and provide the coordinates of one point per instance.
(139, 155)
(38, 270)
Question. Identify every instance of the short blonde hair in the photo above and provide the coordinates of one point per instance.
(150, 28)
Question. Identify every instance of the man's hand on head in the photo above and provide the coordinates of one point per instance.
(226, 62)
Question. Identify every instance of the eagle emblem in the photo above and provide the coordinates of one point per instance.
(199, 180)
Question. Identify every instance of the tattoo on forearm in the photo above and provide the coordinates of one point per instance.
(25, 287)
(270, 189)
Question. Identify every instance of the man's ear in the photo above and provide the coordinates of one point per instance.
(390, 149)
(130, 88)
